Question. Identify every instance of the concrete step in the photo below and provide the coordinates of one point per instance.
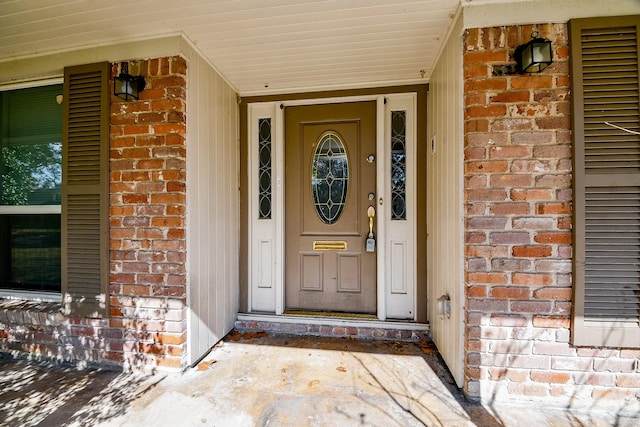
(333, 326)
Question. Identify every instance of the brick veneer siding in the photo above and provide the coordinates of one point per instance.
(147, 216)
(518, 234)
(147, 320)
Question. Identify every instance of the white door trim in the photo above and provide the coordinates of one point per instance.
(266, 236)
(381, 194)
(401, 235)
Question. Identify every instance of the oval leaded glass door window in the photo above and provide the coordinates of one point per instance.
(330, 177)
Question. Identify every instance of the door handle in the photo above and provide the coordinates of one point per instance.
(371, 213)
(370, 245)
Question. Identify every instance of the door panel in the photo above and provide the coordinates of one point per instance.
(326, 151)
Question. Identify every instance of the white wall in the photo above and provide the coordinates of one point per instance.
(445, 202)
(213, 228)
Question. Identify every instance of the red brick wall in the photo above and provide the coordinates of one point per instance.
(518, 232)
(147, 320)
(147, 216)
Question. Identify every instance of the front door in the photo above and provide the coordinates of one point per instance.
(330, 183)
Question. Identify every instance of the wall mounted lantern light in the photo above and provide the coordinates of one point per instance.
(534, 56)
(531, 57)
(126, 86)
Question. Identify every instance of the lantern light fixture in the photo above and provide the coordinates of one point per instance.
(126, 86)
(534, 56)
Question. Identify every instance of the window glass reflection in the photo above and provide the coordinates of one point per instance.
(264, 168)
(398, 165)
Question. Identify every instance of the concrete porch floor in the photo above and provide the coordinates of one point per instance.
(259, 379)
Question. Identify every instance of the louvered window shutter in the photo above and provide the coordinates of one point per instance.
(85, 151)
(604, 71)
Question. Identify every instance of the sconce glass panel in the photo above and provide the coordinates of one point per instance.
(264, 168)
(534, 56)
(398, 165)
(128, 87)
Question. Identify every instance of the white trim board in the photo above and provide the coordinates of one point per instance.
(52, 65)
(33, 296)
(490, 13)
(396, 295)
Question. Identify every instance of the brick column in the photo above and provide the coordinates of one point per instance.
(518, 207)
(518, 234)
(147, 217)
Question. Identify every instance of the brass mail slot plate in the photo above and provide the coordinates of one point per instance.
(329, 245)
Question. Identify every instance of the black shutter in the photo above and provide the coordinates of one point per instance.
(605, 94)
(85, 151)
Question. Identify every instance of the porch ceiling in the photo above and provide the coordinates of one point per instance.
(259, 46)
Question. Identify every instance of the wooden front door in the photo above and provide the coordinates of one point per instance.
(330, 183)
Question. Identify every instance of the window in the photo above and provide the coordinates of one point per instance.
(30, 183)
(54, 190)
(264, 168)
(330, 177)
(606, 121)
(398, 165)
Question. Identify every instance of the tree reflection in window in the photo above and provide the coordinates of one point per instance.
(398, 165)
(30, 177)
(31, 173)
(30, 146)
(330, 177)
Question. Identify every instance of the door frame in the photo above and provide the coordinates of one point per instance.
(396, 281)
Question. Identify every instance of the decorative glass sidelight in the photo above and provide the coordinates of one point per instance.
(264, 168)
(330, 177)
(398, 165)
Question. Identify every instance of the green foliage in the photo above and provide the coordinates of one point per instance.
(31, 174)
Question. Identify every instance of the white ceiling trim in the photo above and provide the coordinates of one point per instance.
(338, 86)
(494, 13)
(42, 67)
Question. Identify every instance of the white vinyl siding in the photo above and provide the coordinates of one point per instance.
(213, 205)
(445, 203)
